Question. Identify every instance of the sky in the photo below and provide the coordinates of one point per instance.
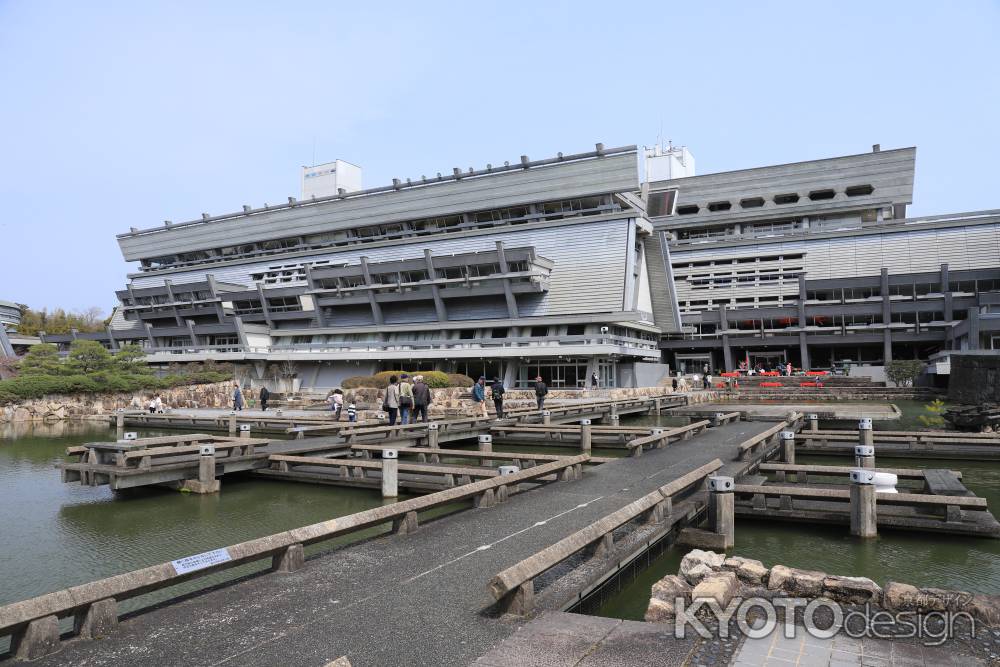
(125, 114)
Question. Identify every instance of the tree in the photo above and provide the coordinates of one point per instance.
(60, 321)
(904, 372)
(130, 359)
(87, 357)
(42, 359)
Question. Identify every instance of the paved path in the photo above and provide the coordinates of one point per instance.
(778, 410)
(395, 600)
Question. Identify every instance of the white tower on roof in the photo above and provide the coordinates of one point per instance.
(664, 163)
(325, 180)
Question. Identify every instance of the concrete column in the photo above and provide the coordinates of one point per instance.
(727, 352)
(291, 559)
(722, 508)
(585, 436)
(864, 457)
(485, 445)
(119, 426)
(546, 417)
(244, 430)
(865, 434)
(863, 514)
(390, 473)
(887, 345)
(788, 446)
(373, 302)
(439, 308)
(508, 292)
(814, 422)
(232, 424)
(206, 468)
(804, 349)
(39, 638)
(944, 279)
(973, 328)
(99, 620)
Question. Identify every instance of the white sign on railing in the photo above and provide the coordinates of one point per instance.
(200, 561)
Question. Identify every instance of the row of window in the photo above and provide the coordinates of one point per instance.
(779, 200)
(546, 211)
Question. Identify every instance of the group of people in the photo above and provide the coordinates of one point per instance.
(405, 400)
(758, 368)
(497, 391)
(239, 402)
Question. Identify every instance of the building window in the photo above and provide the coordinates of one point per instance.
(719, 206)
(789, 198)
(576, 329)
(539, 332)
(859, 190)
(499, 332)
(689, 209)
(752, 202)
(661, 203)
(818, 195)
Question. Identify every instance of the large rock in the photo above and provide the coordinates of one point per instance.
(985, 608)
(852, 590)
(663, 597)
(910, 598)
(720, 586)
(747, 570)
(697, 564)
(805, 583)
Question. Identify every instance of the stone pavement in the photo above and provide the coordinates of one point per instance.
(415, 599)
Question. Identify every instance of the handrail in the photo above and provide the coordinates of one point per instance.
(904, 473)
(971, 502)
(522, 573)
(659, 439)
(69, 601)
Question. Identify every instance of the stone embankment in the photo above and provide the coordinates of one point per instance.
(85, 406)
(706, 574)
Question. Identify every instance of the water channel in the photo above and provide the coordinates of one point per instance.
(56, 535)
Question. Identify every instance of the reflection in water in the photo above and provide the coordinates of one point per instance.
(57, 535)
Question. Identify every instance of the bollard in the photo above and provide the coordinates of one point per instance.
(585, 436)
(814, 422)
(485, 445)
(432, 440)
(244, 430)
(865, 434)
(390, 473)
(717, 419)
(546, 417)
(722, 508)
(119, 425)
(232, 424)
(206, 482)
(863, 516)
(656, 405)
(864, 457)
(788, 446)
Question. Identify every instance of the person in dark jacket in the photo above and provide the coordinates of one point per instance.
(479, 395)
(237, 397)
(498, 391)
(540, 391)
(264, 396)
(421, 399)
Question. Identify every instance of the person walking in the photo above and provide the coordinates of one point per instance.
(708, 382)
(152, 405)
(595, 380)
(497, 390)
(337, 403)
(405, 400)
(391, 402)
(421, 399)
(788, 369)
(237, 397)
(158, 401)
(540, 392)
(673, 382)
(264, 396)
(479, 395)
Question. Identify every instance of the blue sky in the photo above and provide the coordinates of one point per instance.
(126, 114)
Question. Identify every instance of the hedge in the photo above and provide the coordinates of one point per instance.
(434, 379)
(36, 386)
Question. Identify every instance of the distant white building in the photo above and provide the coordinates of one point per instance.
(326, 180)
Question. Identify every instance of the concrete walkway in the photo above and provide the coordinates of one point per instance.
(395, 600)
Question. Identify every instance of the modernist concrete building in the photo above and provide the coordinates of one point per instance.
(10, 317)
(538, 267)
(816, 263)
(569, 266)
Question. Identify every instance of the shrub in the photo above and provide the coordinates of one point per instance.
(935, 416)
(904, 372)
(459, 380)
(356, 382)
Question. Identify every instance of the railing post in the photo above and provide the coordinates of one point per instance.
(864, 456)
(521, 600)
(244, 430)
(661, 443)
(656, 406)
(814, 422)
(722, 508)
(863, 513)
(613, 418)
(717, 419)
(100, 619)
(38, 639)
(485, 446)
(433, 440)
(585, 436)
(232, 424)
(390, 473)
(546, 417)
(788, 446)
(119, 425)
(290, 559)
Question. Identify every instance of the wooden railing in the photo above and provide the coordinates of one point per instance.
(659, 440)
(514, 587)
